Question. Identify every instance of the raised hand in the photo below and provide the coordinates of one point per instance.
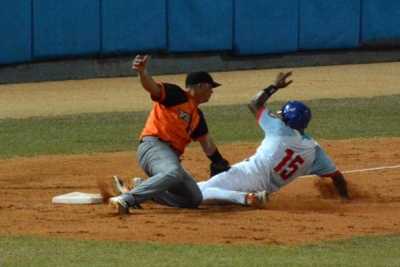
(139, 64)
(280, 80)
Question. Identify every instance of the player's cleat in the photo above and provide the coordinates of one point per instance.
(119, 186)
(136, 181)
(257, 200)
(119, 204)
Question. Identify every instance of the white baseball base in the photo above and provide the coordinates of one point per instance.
(78, 198)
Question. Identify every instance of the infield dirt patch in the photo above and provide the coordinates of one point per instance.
(305, 211)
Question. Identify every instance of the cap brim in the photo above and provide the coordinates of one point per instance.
(214, 84)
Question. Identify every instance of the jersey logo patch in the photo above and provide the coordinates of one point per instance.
(184, 115)
(272, 114)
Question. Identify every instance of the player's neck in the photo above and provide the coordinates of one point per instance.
(300, 130)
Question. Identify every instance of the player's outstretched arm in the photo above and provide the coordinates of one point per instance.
(258, 101)
(148, 83)
(218, 163)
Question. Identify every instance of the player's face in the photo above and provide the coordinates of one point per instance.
(206, 91)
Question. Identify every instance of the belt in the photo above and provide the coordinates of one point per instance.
(145, 138)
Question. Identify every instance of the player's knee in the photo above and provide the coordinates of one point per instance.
(195, 202)
(198, 199)
(175, 175)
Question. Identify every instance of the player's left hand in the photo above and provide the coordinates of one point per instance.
(280, 80)
(216, 168)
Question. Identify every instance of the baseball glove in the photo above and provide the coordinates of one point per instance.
(216, 168)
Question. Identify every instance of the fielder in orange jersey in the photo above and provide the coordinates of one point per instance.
(173, 123)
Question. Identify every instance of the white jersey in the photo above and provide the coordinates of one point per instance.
(283, 156)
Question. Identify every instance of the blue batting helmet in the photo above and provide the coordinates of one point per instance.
(296, 114)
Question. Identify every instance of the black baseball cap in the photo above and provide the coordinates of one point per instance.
(200, 77)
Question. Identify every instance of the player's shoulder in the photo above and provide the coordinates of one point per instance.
(174, 95)
(269, 113)
(272, 124)
(172, 87)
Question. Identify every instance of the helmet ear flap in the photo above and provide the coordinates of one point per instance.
(285, 119)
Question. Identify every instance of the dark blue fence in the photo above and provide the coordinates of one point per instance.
(38, 30)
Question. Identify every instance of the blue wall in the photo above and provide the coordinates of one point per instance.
(198, 26)
(129, 26)
(65, 28)
(15, 31)
(381, 20)
(37, 30)
(265, 27)
(329, 24)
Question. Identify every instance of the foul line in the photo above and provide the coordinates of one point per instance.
(373, 169)
(363, 170)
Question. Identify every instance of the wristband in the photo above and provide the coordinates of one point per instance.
(216, 156)
(270, 90)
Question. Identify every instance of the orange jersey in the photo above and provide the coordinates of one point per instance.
(175, 118)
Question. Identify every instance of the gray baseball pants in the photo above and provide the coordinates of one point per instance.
(168, 183)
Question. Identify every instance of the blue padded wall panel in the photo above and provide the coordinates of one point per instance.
(66, 28)
(380, 20)
(133, 26)
(15, 31)
(196, 26)
(265, 26)
(329, 24)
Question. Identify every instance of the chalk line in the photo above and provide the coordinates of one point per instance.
(363, 170)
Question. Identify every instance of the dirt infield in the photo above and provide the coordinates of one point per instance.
(305, 211)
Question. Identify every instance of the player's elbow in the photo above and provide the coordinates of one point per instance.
(253, 107)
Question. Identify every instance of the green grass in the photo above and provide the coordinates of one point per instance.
(30, 251)
(105, 132)
(74, 134)
(87, 133)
